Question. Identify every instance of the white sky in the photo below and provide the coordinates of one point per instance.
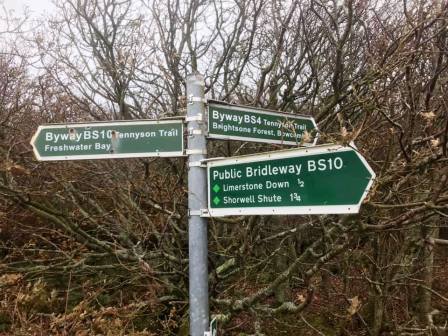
(35, 7)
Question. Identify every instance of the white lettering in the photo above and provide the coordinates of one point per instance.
(338, 163)
(311, 165)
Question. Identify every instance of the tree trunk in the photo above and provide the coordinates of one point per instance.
(377, 295)
(426, 262)
(282, 292)
(378, 313)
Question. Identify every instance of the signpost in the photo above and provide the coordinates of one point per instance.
(233, 122)
(329, 179)
(109, 140)
(197, 200)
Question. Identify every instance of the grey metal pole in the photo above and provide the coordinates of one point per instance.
(197, 200)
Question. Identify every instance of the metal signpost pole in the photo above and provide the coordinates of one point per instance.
(197, 200)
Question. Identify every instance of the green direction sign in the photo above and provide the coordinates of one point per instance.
(328, 179)
(109, 140)
(213, 328)
(232, 122)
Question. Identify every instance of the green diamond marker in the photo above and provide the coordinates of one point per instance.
(216, 200)
(216, 188)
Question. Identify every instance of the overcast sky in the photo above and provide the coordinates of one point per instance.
(36, 7)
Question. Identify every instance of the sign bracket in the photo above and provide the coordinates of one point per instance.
(195, 131)
(200, 164)
(198, 117)
(200, 212)
(203, 163)
(192, 99)
(196, 151)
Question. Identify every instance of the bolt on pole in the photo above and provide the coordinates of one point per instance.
(197, 200)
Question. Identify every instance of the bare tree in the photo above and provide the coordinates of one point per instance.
(368, 71)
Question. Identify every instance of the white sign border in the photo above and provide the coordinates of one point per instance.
(287, 210)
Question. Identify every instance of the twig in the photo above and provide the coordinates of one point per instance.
(311, 326)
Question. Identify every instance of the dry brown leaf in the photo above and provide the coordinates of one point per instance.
(355, 304)
(306, 137)
(435, 142)
(10, 279)
(300, 298)
(429, 116)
